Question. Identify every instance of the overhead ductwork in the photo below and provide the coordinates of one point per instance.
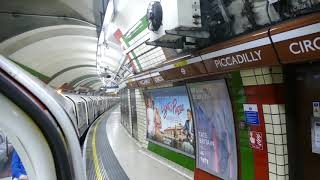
(170, 21)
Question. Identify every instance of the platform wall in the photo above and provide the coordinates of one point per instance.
(265, 88)
(260, 86)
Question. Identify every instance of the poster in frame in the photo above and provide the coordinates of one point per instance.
(315, 134)
(170, 120)
(216, 147)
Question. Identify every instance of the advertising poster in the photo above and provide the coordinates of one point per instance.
(315, 134)
(215, 132)
(316, 109)
(169, 118)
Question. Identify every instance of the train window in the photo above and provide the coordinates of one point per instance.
(73, 111)
(90, 110)
(18, 130)
(11, 165)
(6, 150)
(70, 109)
(82, 116)
(37, 126)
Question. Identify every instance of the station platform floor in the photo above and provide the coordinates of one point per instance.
(111, 153)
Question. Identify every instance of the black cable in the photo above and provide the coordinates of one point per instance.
(267, 9)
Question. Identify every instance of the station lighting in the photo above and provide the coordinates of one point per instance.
(59, 91)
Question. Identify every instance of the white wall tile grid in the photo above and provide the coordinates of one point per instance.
(141, 118)
(152, 58)
(276, 133)
(139, 36)
(130, 117)
(142, 49)
(262, 76)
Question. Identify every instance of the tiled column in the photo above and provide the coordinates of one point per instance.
(129, 128)
(264, 87)
(275, 123)
(141, 118)
(262, 76)
(245, 154)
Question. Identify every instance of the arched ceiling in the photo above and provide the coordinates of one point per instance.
(96, 85)
(59, 54)
(23, 16)
(57, 40)
(10, 45)
(54, 40)
(50, 52)
(74, 76)
(85, 80)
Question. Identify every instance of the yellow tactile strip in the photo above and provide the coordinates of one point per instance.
(102, 164)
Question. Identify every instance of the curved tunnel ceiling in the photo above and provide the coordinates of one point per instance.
(57, 40)
(86, 82)
(56, 54)
(71, 76)
(50, 51)
(54, 40)
(87, 10)
(22, 16)
(96, 85)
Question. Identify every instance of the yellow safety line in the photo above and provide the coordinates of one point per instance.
(95, 157)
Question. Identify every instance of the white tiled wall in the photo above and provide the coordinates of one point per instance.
(275, 124)
(130, 118)
(141, 117)
(275, 120)
(139, 36)
(147, 60)
(262, 76)
(152, 58)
